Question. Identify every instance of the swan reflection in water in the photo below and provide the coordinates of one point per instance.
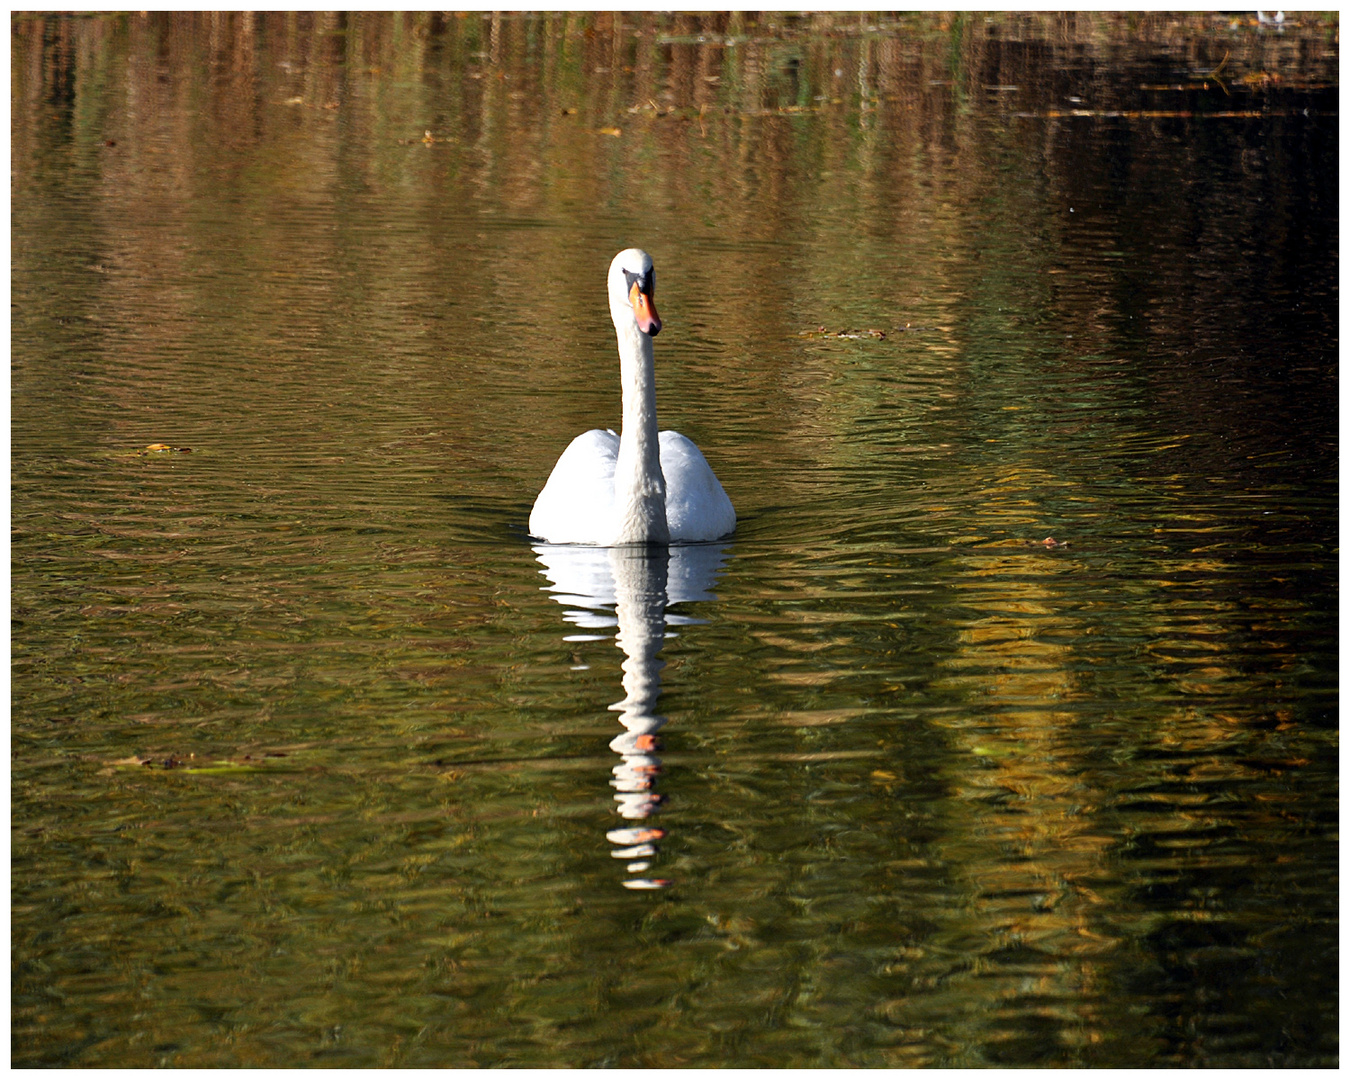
(633, 587)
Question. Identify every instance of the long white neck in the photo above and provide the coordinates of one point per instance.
(639, 487)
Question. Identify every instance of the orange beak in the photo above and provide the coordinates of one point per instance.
(644, 308)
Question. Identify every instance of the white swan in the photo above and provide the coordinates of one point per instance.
(638, 487)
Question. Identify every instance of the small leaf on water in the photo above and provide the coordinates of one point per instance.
(853, 334)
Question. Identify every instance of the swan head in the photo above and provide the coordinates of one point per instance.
(632, 292)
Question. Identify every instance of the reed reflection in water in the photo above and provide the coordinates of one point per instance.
(639, 583)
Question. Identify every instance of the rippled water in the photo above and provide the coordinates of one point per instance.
(1002, 731)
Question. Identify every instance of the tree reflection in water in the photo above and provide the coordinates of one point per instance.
(639, 584)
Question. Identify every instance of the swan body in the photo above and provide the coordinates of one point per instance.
(641, 486)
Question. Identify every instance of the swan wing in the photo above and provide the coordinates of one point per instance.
(577, 504)
(696, 506)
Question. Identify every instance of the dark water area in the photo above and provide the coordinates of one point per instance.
(1003, 730)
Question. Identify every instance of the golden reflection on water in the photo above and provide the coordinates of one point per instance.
(1037, 846)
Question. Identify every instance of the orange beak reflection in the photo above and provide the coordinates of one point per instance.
(644, 308)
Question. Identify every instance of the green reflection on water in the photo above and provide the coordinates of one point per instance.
(308, 768)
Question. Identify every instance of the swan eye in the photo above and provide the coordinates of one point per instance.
(646, 282)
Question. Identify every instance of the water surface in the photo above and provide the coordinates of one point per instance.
(1002, 731)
